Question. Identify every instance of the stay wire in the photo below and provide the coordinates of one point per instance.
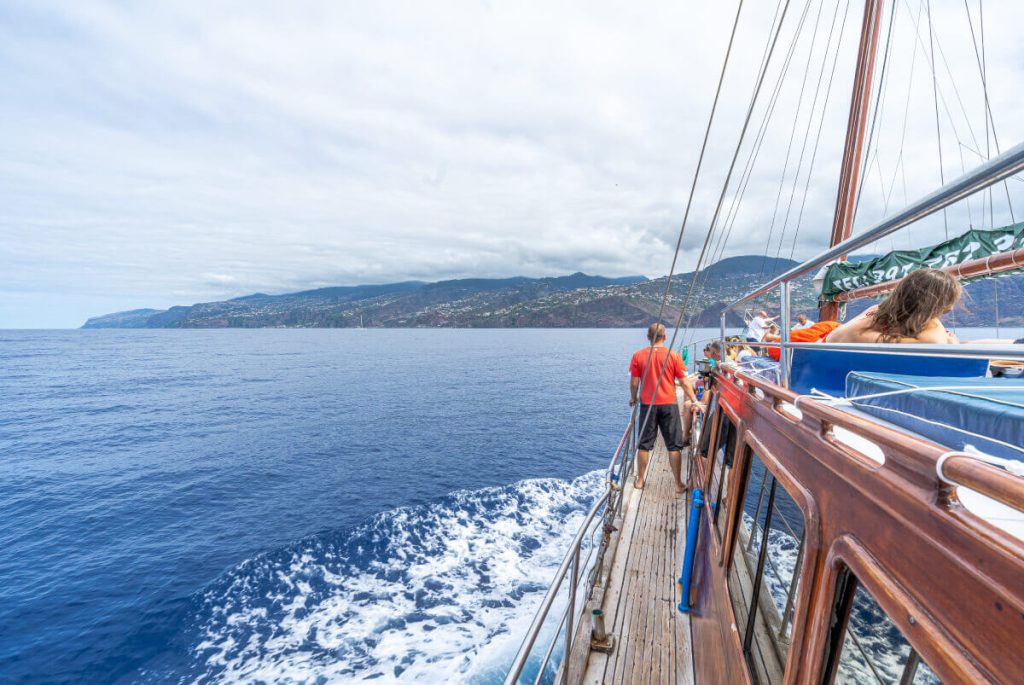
(929, 54)
(983, 70)
(938, 126)
(900, 167)
(945, 106)
(936, 46)
(821, 126)
(789, 145)
(759, 138)
(728, 178)
(876, 112)
(724, 228)
(686, 214)
(761, 66)
(807, 135)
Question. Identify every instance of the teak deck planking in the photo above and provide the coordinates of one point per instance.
(652, 639)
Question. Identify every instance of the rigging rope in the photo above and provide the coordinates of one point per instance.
(938, 127)
(821, 125)
(745, 176)
(760, 137)
(983, 69)
(789, 145)
(728, 177)
(686, 214)
(725, 185)
(748, 169)
(817, 141)
(876, 113)
(755, 150)
(726, 228)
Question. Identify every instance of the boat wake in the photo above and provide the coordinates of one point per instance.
(436, 593)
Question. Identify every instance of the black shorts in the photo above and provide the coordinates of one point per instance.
(664, 417)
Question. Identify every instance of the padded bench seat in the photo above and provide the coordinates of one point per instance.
(986, 413)
(825, 370)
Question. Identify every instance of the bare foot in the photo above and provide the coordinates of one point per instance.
(680, 488)
(638, 484)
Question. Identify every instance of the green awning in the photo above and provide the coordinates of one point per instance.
(844, 276)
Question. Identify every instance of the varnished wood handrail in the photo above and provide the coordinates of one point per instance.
(964, 470)
(987, 479)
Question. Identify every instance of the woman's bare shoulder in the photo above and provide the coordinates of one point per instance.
(934, 334)
(855, 330)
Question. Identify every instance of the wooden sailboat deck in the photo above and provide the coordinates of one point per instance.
(652, 638)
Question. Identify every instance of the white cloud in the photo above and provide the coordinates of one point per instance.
(169, 153)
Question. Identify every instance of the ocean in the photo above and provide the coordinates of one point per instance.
(240, 505)
(292, 505)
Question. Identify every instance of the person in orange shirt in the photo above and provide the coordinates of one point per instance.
(659, 368)
(814, 333)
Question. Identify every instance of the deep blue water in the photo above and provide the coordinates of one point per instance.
(243, 505)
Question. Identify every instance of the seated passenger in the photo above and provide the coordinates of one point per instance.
(732, 350)
(811, 334)
(745, 354)
(909, 315)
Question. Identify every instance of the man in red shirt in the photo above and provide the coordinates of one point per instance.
(659, 367)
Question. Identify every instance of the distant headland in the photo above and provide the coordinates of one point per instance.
(574, 301)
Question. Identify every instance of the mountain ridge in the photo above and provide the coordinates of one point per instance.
(576, 300)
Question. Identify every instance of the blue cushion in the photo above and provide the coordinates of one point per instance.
(826, 371)
(987, 414)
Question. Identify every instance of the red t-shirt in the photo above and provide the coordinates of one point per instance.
(667, 388)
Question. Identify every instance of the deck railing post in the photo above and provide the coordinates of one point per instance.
(722, 332)
(570, 610)
(692, 528)
(784, 350)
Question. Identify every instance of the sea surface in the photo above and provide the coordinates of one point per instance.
(293, 505)
(240, 505)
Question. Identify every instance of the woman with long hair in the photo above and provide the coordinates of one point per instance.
(909, 315)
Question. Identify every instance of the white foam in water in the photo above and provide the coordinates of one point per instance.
(439, 593)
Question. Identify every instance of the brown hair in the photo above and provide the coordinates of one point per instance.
(921, 296)
(655, 332)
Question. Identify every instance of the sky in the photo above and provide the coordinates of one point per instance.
(155, 154)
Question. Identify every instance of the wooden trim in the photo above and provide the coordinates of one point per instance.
(990, 481)
(917, 625)
(707, 464)
(938, 555)
(740, 475)
(809, 573)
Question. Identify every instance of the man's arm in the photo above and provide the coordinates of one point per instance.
(688, 389)
(634, 385)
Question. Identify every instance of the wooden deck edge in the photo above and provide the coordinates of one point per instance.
(581, 637)
(585, 662)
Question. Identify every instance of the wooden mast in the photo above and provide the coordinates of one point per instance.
(846, 198)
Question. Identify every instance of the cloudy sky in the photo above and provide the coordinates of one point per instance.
(167, 153)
